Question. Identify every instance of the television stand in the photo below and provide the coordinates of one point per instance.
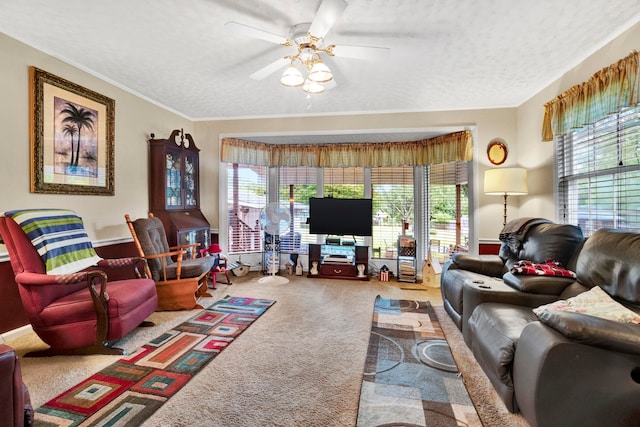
(339, 262)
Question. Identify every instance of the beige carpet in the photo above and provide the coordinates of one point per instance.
(301, 363)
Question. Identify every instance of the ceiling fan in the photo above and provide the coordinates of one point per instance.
(308, 40)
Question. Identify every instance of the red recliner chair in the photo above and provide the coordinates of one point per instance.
(74, 312)
(15, 402)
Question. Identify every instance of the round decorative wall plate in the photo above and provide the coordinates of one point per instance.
(497, 151)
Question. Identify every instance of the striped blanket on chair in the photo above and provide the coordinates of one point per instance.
(59, 237)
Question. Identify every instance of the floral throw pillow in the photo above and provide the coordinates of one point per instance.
(595, 302)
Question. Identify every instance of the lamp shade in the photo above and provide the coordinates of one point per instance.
(320, 73)
(312, 87)
(291, 77)
(509, 181)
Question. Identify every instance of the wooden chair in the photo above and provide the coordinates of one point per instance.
(180, 282)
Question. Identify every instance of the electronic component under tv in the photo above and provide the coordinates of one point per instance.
(341, 217)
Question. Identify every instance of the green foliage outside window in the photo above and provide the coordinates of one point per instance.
(395, 201)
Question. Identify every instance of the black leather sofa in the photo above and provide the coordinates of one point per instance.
(467, 280)
(558, 368)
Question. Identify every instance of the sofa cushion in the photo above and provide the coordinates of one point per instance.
(192, 267)
(532, 284)
(451, 287)
(609, 259)
(551, 241)
(545, 241)
(495, 329)
(576, 288)
(153, 241)
(594, 302)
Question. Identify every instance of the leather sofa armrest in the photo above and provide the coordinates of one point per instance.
(533, 284)
(594, 331)
(489, 265)
(549, 368)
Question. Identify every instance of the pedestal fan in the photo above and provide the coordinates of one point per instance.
(274, 220)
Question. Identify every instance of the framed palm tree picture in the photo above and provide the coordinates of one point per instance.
(72, 133)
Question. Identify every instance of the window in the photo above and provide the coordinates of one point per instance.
(297, 185)
(392, 196)
(439, 218)
(598, 171)
(247, 195)
(448, 209)
(345, 183)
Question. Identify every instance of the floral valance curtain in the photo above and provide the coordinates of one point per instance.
(457, 146)
(609, 90)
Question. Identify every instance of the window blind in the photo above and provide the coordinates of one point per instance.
(247, 195)
(598, 173)
(392, 197)
(447, 209)
(297, 185)
(343, 183)
(347, 183)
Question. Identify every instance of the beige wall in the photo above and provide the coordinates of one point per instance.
(134, 120)
(486, 125)
(537, 156)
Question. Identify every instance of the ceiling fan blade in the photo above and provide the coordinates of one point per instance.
(326, 15)
(361, 52)
(254, 32)
(269, 69)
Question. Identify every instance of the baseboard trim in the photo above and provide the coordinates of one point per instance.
(16, 333)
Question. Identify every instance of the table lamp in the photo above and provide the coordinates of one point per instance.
(505, 182)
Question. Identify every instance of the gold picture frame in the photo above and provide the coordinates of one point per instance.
(72, 134)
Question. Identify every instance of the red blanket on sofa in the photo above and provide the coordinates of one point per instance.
(549, 268)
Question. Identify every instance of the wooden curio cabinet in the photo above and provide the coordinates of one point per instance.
(174, 189)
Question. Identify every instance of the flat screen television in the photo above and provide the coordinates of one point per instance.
(341, 217)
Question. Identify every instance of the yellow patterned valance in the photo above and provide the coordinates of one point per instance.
(457, 146)
(607, 91)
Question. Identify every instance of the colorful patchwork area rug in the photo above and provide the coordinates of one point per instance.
(410, 376)
(127, 392)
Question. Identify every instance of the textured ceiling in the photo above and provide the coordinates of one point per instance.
(445, 55)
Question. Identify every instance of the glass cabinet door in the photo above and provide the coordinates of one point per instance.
(190, 184)
(173, 198)
(187, 237)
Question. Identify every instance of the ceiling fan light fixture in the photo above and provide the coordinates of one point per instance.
(320, 73)
(291, 77)
(308, 38)
(313, 87)
(307, 55)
